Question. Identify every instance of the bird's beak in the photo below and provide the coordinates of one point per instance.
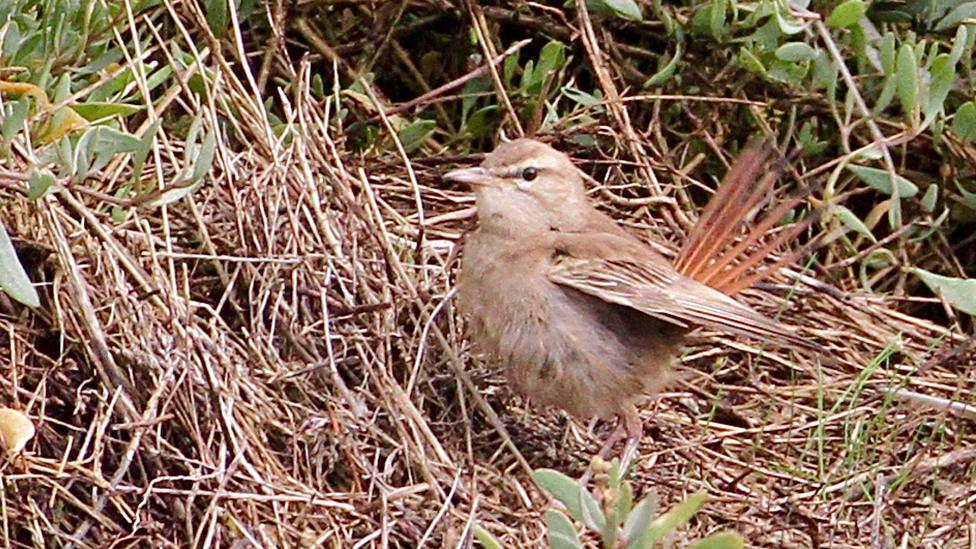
(477, 176)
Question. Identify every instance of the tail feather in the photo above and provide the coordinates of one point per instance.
(725, 210)
(715, 254)
(736, 281)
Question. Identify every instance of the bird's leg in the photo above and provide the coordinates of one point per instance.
(628, 425)
(612, 440)
(635, 428)
(632, 422)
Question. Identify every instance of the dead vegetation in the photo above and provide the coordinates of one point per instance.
(274, 360)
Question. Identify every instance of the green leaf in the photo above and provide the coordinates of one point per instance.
(480, 85)
(881, 15)
(665, 17)
(13, 277)
(580, 503)
(894, 212)
(638, 520)
(561, 487)
(716, 19)
(172, 194)
(109, 89)
(109, 141)
(40, 181)
(99, 110)
(666, 72)
(551, 58)
(205, 156)
(84, 153)
(142, 152)
(560, 532)
(930, 198)
(722, 540)
(625, 499)
(766, 37)
(956, 16)
(62, 89)
(943, 73)
(959, 44)
(788, 72)
(190, 153)
(907, 71)
(750, 62)
(618, 487)
(888, 90)
(529, 77)
(582, 98)
(853, 222)
(99, 145)
(934, 48)
(847, 14)
(796, 51)
(880, 180)
(592, 514)
(508, 72)
(485, 538)
(958, 292)
(674, 518)
(479, 123)
(217, 16)
(413, 136)
(964, 121)
(12, 37)
(870, 153)
(920, 50)
(824, 71)
(967, 198)
(64, 157)
(318, 87)
(888, 53)
(14, 116)
(625, 9)
(787, 25)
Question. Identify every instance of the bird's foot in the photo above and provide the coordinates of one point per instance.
(629, 427)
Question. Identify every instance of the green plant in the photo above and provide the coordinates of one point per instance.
(610, 513)
(13, 278)
(72, 93)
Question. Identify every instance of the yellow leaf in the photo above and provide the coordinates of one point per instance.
(15, 430)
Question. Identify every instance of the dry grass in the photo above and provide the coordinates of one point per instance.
(276, 360)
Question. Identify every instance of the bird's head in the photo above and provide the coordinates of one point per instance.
(524, 185)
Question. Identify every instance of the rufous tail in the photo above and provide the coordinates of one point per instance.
(721, 250)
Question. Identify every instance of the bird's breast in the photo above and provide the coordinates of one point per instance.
(558, 346)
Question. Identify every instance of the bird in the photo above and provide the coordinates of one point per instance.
(581, 313)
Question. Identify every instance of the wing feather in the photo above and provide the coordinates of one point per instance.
(656, 289)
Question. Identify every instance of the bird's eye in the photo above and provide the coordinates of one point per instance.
(530, 173)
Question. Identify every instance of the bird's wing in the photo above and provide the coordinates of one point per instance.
(618, 271)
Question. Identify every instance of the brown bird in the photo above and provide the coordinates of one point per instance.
(583, 315)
